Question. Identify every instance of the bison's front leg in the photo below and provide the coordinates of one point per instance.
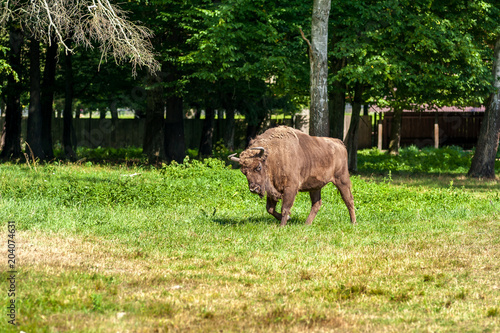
(271, 208)
(286, 207)
(315, 205)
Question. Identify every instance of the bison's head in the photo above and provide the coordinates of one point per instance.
(253, 166)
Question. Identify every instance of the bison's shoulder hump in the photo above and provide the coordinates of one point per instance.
(277, 136)
(278, 133)
(283, 132)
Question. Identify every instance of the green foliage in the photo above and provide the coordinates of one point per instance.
(100, 86)
(414, 53)
(221, 152)
(192, 153)
(242, 55)
(5, 68)
(245, 39)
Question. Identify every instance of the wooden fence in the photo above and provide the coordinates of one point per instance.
(454, 128)
(130, 132)
(419, 129)
(95, 133)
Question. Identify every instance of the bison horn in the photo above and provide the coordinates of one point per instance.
(262, 150)
(233, 158)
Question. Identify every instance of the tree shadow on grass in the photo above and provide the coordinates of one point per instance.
(434, 180)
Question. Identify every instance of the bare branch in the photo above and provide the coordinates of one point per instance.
(5, 12)
(304, 38)
(86, 22)
(308, 43)
(56, 28)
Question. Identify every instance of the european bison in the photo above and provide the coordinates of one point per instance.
(283, 161)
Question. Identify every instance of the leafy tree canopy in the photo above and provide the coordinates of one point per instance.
(416, 52)
(5, 68)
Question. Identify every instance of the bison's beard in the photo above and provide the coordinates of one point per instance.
(271, 192)
(266, 189)
(260, 192)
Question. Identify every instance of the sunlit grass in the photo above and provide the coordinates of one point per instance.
(188, 248)
(448, 160)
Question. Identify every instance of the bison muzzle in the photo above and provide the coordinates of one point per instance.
(284, 161)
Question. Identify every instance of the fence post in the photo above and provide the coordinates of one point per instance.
(436, 131)
(379, 142)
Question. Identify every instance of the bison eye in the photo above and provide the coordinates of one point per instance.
(258, 168)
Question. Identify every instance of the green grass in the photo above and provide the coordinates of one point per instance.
(447, 160)
(188, 248)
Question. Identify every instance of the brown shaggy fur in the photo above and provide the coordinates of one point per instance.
(294, 161)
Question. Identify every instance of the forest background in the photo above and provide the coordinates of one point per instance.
(163, 60)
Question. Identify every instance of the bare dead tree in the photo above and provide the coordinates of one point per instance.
(87, 22)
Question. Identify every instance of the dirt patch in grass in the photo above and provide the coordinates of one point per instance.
(78, 283)
(86, 283)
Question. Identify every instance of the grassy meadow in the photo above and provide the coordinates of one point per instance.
(133, 248)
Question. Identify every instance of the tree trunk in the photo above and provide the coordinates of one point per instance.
(69, 139)
(229, 130)
(11, 135)
(256, 117)
(336, 106)
(395, 136)
(113, 109)
(175, 146)
(252, 131)
(153, 145)
(219, 118)
(319, 68)
(483, 162)
(352, 135)
(34, 128)
(197, 114)
(47, 101)
(336, 103)
(207, 133)
(253, 128)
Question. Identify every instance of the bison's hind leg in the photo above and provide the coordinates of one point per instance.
(315, 205)
(344, 186)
